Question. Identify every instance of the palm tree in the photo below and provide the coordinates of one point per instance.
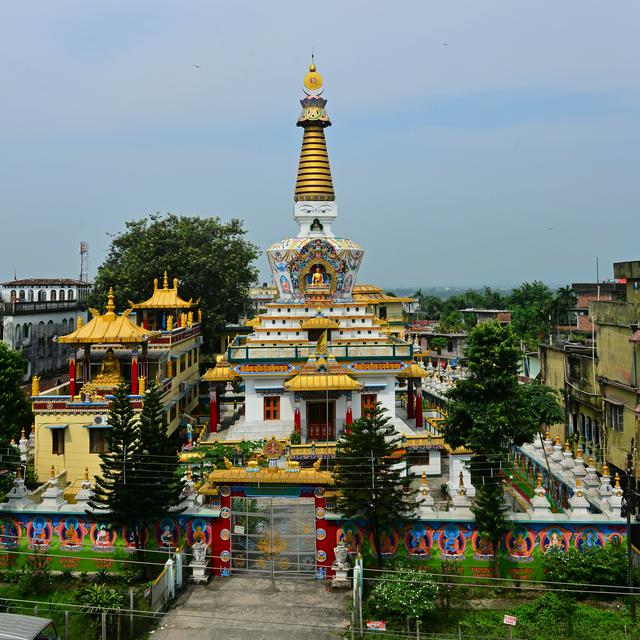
(564, 300)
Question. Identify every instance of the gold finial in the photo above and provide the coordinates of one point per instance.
(19, 473)
(142, 383)
(155, 284)
(579, 488)
(199, 315)
(111, 306)
(313, 80)
(539, 481)
(189, 473)
(169, 323)
(190, 319)
(547, 435)
(79, 322)
(567, 446)
(23, 435)
(558, 441)
(86, 473)
(165, 281)
(591, 461)
(423, 483)
(175, 283)
(579, 453)
(35, 386)
(13, 442)
(605, 470)
(617, 481)
(52, 473)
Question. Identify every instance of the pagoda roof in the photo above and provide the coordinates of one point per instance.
(412, 371)
(370, 294)
(109, 328)
(268, 475)
(319, 322)
(322, 382)
(220, 373)
(165, 298)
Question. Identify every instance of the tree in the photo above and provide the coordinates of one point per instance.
(488, 413)
(564, 300)
(212, 260)
(155, 460)
(15, 410)
(405, 593)
(371, 483)
(531, 305)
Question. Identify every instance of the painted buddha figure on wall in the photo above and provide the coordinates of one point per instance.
(109, 369)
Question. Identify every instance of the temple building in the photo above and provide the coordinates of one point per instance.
(156, 340)
(325, 349)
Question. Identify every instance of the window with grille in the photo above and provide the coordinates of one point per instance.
(98, 440)
(613, 416)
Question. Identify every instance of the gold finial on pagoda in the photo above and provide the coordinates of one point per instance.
(183, 319)
(423, 483)
(558, 441)
(165, 281)
(188, 473)
(52, 472)
(591, 461)
(19, 473)
(142, 385)
(35, 386)
(13, 442)
(86, 473)
(169, 323)
(175, 283)
(617, 481)
(605, 469)
(23, 435)
(111, 305)
(547, 435)
(567, 446)
(155, 284)
(579, 488)
(579, 453)
(539, 481)
(80, 322)
(199, 315)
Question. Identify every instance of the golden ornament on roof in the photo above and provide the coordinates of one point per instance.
(313, 80)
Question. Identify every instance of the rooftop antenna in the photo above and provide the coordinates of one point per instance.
(84, 261)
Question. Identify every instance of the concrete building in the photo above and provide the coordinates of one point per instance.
(33, 312)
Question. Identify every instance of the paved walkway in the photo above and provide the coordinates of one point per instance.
(244, 607)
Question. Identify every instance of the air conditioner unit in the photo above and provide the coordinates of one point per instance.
(101, 420)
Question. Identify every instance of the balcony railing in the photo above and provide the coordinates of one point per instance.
(16, 308)
(239, 352)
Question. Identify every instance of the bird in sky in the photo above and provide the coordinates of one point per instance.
(197, 66)
(444, 44)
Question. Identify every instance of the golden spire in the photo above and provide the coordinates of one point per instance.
(189, 472)
(314, 173)
(52, 473)
(539, 481)
(567, 447)
(165, 281)
(605, 469)
(111, 305)
(558, 441)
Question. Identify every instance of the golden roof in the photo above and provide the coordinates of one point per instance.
(319, 322)
(268, 475)
(253, 322)
(370, 294)
(109, 328)
(323, 382)
(220, 373)
(412, 371)
(165, 298)
(314, 173)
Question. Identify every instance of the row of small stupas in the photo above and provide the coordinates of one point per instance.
(319, 356)
(156, 340)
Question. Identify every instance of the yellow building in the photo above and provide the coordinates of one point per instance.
(71, 420)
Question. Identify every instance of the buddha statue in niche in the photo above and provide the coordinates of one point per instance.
(109, 369)
(317, 278)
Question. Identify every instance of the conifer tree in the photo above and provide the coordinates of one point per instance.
(118, 490)
(372, 485)
(156, 460)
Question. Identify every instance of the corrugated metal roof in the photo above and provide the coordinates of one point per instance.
(17, 627)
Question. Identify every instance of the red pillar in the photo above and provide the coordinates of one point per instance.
(213, 409)
(419, 420)
(86, 364)
(134, 373)
(297, 421)
(324, 542)
(411, 405)
(72, 377)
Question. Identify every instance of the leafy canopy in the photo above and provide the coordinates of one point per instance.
(211, 259)
(15, 410)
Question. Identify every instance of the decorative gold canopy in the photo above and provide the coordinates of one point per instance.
(314, 173)
(323, 382)
(109, 328)
(165, 298)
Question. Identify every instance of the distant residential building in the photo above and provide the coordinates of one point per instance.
(588, 292)
(35, 310)
(261, 296)
(599, 381)
(486, 315)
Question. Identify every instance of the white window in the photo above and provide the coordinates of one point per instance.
(613, 415)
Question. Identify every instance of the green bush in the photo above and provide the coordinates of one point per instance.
(36, 576)
(95, 598)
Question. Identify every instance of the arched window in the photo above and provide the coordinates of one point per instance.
(25, 330)
(70, 294)
(61, 296)
(18, 335)
(21, 295)
(30, 295)
(71, 324)
(53, 295)
(42, 295)
(50, 329)
(13, 295)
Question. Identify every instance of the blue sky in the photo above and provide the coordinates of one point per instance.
(509, 154)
